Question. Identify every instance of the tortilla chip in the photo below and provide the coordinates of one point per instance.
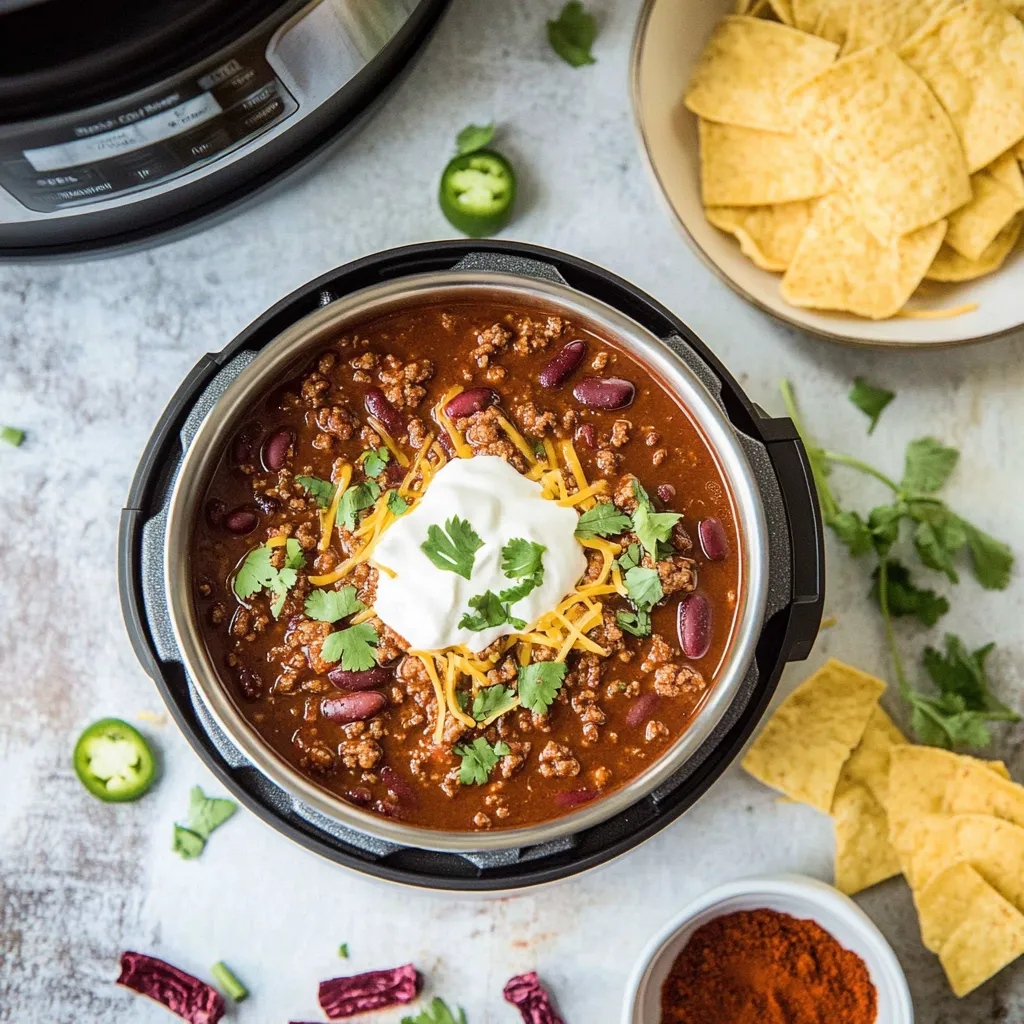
(833, 23)
(748, 67)
(890, 22)
(864, 856)
(973, 59)
(806, 13)
(802, 749)
(973, 789)
(997, 199)
(993, 847)
(869, 763)
(783, 10)
(840, 265)
(768, 235)
(950, 266)
(888, 141)
(918, 780)
(749, 167)
(1015, 7)
(969, 962)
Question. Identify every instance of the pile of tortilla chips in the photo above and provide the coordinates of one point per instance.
(861, 147)
(953, 825)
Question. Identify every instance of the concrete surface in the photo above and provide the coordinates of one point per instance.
(89, 354)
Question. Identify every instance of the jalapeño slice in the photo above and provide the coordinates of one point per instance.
(477, 192)
(113, 761)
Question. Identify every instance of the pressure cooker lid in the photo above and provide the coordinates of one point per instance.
(791, 620)
(81, 52)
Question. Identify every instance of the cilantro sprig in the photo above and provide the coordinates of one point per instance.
(521, 559)
(258, 573)
(958, 714)
(332, 605)
(539, 684)
(374, 461)
(205, 814)
(870, 400)
(603, 520)
(572, 34)
(652, 529)
(355, 647)
(478, 759)
(355, 500)
(454, 548)
(321, 491)
(489, 701)
(489, 609)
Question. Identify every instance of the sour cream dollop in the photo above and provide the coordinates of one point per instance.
(424, 603)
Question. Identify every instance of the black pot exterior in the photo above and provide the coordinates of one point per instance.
(787, 634)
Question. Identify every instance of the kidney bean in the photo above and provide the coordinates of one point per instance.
(366, 680)
(245, 443)
(694, 626)
(472, 400)
(241, 521)
(268, 506)
(666, 492)
(640, 710)
(378, 406)
(604, 392)
(360, 796)
(713, 541)
(276, 449)
(586, 434)
(557, 371)
(397, 786)
(216, 510)
(573, 798)
(394, 474)
(356, 707)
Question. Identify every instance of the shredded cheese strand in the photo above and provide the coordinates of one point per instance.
(598, 487)
(458, 441)
(517, 439)
(572, 460)
(327, 521)
(428, 663)
(389, 442)
(497, 714)
(449, 692)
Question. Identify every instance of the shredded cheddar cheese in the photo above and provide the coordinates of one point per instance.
(389, 442)
(328, 519)
(458, 441)
(518, 440)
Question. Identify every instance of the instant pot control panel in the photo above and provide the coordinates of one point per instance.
(793, 614)
(173, 143)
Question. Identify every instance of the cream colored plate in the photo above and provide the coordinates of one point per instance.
(669, 39)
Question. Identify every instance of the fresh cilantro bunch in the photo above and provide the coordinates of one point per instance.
(957, 716)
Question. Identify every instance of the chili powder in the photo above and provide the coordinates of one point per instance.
(766, 967)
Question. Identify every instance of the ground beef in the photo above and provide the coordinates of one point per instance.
(600, 776)
(309, 636)
(417, 432)
(533, 421)
(490, 340)
(367, 361)
(337, 421)
(674, 680)
(620, 433)
(557, 761)
(314, 390)
(314, 754)
(681, 539)
(624, 495)
(402, 381)
(389, 644)
(659, 653)
(362, 753)
(364, 577)
(655, 731)
(677, 572)
(533, 335)
(514, 761)
(308, 535)
(607, 461)
(486, 437)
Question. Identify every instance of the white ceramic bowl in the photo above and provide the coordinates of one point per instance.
(790, 894)
(670, 37)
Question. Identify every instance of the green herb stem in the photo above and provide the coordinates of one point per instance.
(863, 467)
(226, 979)
(890, 633)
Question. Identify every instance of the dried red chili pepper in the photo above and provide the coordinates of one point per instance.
(531, 999)
(343, 997)
(191, 999)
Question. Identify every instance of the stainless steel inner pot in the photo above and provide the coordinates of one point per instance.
(314, 332)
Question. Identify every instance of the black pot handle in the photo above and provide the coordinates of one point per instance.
(807, 543)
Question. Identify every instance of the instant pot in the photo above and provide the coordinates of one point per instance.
(761, 458)
(122, 122)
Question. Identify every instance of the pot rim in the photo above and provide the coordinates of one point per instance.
(302, 338)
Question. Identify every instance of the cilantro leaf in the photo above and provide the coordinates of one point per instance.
(491, 611)
(321, 491)
(572, 34)
(884, 524)
(870, 400)
(539, 683)
(354, 501)
(603, 520)
(492, 700)
(927, 466)
(991, 559)
(474, 137)
(256, 573)
(478, 758)
(959, 671)
(375, 460)
(294, 556)
(397, 505)
(520, 590)
(852, 531)
(629, 558)
(354, 646)
(637, 623)
(907, 599)
(644, 587)
(652, 529)
(454, 548)
(332, 605)
(205, 814)
(521, 557)
(436, 1013)
(283, 582)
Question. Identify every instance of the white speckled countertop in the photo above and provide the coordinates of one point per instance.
(90, 353)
